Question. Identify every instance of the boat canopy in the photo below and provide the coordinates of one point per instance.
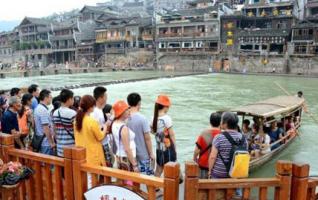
(274, 106)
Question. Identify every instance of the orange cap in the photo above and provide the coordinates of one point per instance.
(163, 100)
(120, 107)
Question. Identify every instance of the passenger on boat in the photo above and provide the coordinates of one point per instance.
(251, 142)
(301, 95)
(140, 126)
(221, 146)
(124, 138)
(88, 133)
(275, 134)
(165, 136)
(246, 130)
(204, 145)
(26, 120)
(288, 123)
(262, 140)
(10, 123)
(63, 119)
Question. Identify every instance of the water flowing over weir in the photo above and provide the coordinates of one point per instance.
(194, 98)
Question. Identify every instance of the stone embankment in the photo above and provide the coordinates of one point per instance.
(295, 66)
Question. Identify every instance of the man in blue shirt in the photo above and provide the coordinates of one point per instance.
(9, 121)
(43, 123)
(35, 91)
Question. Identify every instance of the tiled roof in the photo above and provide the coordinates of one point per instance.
(133, 4)
(32, 20)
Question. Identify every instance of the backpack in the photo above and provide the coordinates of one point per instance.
(239, 160)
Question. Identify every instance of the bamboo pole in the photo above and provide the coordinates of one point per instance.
(287, 93)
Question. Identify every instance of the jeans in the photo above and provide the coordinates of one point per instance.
(46, 150)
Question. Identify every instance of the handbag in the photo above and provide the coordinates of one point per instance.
(167, 155)
(123, 162)
(37, 142)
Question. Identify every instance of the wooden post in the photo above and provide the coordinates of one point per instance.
(191, 180)
(171, 181)
(68, 173)
(299, 181)
(79, 181)
(283, 172)
(6, 142)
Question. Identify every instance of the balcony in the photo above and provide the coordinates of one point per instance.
(147, 37)
(303, 37)
(189, 34)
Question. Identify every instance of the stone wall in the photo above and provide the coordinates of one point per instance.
(191, 63)
(240, 64)
(277, 64)
(130, 59)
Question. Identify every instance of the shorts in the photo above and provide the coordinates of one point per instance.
(145, 167)
(204, 174)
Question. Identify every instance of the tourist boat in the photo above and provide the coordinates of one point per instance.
(267, 111)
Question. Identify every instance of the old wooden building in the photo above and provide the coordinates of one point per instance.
(259, 29)
(120, 35)
(195, 29)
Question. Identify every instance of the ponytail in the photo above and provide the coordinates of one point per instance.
(158, 107)
(86, 103)
(79, 119)
(21, 112)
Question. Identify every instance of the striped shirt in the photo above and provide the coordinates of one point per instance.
(224, 147)
(63, 124)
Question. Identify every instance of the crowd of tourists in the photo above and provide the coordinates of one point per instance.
(112, 134)
(119, 135)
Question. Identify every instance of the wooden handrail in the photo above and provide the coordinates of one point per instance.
(52, 160)
(238, 183)
(111, 172)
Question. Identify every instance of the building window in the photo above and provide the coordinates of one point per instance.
(199, 44)
(174, 45)
(311, 31)
(188, 45)
(162, 45)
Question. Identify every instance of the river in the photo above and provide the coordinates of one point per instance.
(195, 97)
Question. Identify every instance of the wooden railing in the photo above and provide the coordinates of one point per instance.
(291, 182)
(66, 178)
(47, 182)
(104, 175)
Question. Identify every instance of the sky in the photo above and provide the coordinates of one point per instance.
(16, 10)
